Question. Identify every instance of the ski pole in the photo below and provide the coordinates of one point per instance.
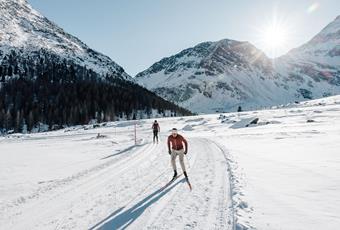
(188, 161)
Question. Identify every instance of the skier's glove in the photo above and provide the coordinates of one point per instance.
(185, 152)
(169, 152)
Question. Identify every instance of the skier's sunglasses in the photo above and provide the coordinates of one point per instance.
(174, 132)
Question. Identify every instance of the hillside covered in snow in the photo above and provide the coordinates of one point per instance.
(26, 32)
(49, 79)
(221, 76)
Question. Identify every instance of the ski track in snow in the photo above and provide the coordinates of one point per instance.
(125, 192)
(239, 176)
(208, 199)
(99, 178)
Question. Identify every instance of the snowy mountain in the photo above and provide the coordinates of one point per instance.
(49, 79)
(316, 63)
(220, 76)
(28, 33)
(323, 48)
(212, 76)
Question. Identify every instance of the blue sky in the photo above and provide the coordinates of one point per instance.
(137, 33)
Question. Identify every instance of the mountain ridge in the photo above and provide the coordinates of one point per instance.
(25, 29)
(232, 68)
(50, 79)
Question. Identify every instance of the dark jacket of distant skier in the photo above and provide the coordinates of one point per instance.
(156, 129)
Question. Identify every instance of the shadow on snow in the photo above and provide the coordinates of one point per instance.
(124, 219)
(123, 151)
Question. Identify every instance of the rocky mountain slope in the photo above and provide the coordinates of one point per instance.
(223, 75)
(49, 79)
(28, 33)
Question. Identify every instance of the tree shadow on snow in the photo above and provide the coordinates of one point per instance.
(123, 151)
(124, 219)
(120, 152)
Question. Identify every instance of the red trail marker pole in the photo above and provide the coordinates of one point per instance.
(135, 133)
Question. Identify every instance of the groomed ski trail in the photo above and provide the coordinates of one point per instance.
(207, 206)
(126, 193)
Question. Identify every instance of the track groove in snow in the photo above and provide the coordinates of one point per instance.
(231, 184)
(125, 192)
(177, 207)
(95, 179)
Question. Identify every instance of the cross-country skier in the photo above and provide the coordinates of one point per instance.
(156, 129)
(175, 147)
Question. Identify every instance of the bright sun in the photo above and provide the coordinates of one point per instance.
(275, 36)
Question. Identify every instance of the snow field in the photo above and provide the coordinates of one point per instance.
(280, 173)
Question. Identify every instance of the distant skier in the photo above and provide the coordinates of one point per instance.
(175, 147)
(156, 129)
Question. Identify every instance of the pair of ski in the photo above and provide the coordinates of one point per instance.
(175, 178)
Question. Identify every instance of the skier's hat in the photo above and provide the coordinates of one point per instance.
(174, 130)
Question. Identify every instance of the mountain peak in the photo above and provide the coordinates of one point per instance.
(226, 42)
(23, 28)
(16, 1)
(212, 57)
(332, 28)
(22, 1)
(337, 18)
(323, 47)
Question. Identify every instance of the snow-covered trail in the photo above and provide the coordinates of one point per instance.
(281, 173)
(125, 192)
(206, 207)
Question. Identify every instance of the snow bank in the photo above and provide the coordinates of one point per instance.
(245, 122)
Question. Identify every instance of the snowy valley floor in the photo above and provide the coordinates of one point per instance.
(283, 173)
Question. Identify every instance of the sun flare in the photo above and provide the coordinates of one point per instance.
(275, 36)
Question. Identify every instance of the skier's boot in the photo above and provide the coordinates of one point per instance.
(185, 174)
(175, 174)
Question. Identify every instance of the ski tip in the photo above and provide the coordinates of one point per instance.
(189, 184)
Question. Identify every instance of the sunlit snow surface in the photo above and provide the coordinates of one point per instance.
(281, 173)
